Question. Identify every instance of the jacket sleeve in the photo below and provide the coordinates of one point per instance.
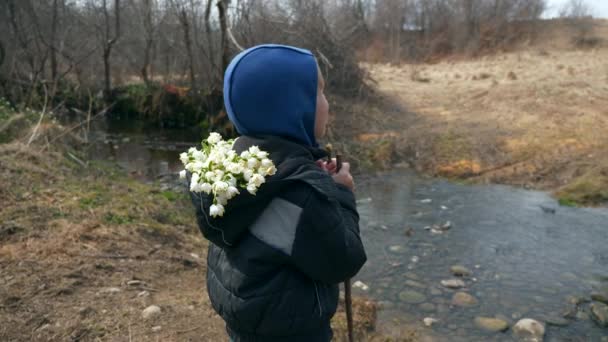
(327, 246)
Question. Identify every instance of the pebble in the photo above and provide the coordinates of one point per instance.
(460, 271)
(195, 256)
(428, 321)
(528, 330)
(134, 282)
(463, 299)
(443, 207)
(491, 324)
(599, 313)
(600, 296)
(413, 283)
(453, 283)
(360, 285)
(151, 312)
(411, 297)
(427, 307)
(415, 259)
(395, 248)
(143, 294)
(426, 201)
(109, 290)
(156, 328)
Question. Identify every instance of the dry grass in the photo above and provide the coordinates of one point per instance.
(536, 117)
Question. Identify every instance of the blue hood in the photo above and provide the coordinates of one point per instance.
(272, 90)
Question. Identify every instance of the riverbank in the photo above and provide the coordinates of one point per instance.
(535, 118)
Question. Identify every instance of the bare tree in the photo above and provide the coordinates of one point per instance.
(108, 40)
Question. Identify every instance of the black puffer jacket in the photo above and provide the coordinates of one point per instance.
(275, 259)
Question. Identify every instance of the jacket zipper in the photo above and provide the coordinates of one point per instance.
(318, 299)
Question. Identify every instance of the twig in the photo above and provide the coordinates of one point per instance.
(325, 60)
(233, 40)
(106, 256)
(83, 164)
(80, 124)
(46, 98)
(187, 330)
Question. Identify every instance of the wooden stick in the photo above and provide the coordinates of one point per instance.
(348, 298)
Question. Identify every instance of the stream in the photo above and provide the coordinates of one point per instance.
(528, 257)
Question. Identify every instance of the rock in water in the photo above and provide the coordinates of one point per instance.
(491, 324)
(428, 321)
(529, 330)
(599, 313)
(151, 312)
(463, 299)
(411, 297)
(600, 296)
(453, 283)
(460, 271)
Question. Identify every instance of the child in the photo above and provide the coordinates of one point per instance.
(275, 259)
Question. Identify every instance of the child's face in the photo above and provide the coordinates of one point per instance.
(322, 113)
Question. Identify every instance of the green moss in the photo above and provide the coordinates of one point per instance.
(589, 189)
(567, 202)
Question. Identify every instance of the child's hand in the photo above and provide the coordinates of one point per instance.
(344, 177)
(330, 167)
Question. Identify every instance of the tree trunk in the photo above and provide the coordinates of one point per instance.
(54, 43)
(109, 44)
(221, 6)
(188, 43)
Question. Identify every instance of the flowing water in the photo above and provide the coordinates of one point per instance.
(528, 257)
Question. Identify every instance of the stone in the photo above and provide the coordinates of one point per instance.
(428, 321)
(109, 290)
(411, 275)
(528, 330)
(463, 299)
(143, 294)
(395, 249)
(556, 321)
(413, 283)
(156, 328)
(360, 285)
(411, 297)
(453, 283)
(427, 307)
(600, 296)
(435, 291)
(491, 324)
(460, 271)
(151, 312)
(599, 313)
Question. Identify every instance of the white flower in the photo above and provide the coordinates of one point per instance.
(262, 154)
(257, 180)
(194, 182)
(232, 191)
(182, 174)
(252, 189)
(254, 150)
(199, 155)
(247, 174)
(216, 210)
(252, 163)
(245, 154)
(214, 138)
(205, 187)
(184, 158)
(221, 199)
(209, 175)
(192, 150)
(220, 187)
(266, 163)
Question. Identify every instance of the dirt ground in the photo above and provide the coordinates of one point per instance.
(84, 251)
(536, 117)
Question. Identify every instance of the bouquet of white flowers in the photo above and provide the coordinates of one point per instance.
(217, 169)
